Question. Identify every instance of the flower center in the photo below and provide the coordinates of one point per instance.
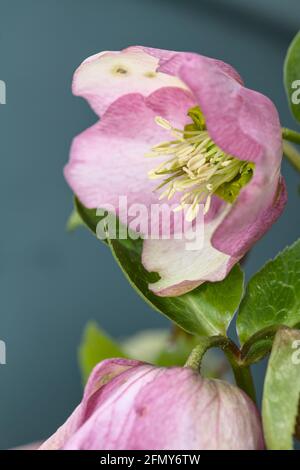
(197, 167)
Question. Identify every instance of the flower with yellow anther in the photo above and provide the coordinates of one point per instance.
(196, 167)
(216, 143)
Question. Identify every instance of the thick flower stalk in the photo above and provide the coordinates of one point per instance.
(130, 405)
(182, 128)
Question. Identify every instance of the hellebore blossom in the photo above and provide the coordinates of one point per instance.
(131, 405)
(211, 141)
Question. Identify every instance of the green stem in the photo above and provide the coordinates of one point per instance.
(196, 356)
(266, 335)
(260, 344)
(242, 374)
(244, 380)
(289, 134)
(292, 155)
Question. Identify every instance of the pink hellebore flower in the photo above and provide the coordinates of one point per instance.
(130, 405)
(226, 154)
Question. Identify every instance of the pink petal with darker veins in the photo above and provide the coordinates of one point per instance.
(101, 375)
(108, 160)
(166, 409)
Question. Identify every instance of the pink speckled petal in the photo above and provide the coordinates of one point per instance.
(101, 375)
(108, 160)
(98, 431)
(103, 78)
(241, 121)
(168, 409)
(241, 229)
(245, 124)
(171, 62)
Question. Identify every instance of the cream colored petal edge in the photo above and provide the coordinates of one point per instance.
(177, 265)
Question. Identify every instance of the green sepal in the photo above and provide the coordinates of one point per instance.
(74, 221)
(198, 119)
(229, 191)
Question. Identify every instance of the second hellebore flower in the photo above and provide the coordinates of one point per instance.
(214, 141)
(130, 405)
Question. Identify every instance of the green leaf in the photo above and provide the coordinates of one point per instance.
(146, 345)
(176, 351)
(272, 295)
(160, 347)
(230, 190)
(282, 391)
(207, 310)
(74, 221)
(292, 76)
(88, 216)
(198, 119)
(95, 346)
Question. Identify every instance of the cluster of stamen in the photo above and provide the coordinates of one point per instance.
(195, 167)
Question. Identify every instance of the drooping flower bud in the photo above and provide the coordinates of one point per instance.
(130, 405)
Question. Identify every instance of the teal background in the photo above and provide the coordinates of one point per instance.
(51, 282)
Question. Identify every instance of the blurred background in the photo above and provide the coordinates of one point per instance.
(53, 282)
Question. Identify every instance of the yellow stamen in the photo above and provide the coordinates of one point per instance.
(197, 167)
